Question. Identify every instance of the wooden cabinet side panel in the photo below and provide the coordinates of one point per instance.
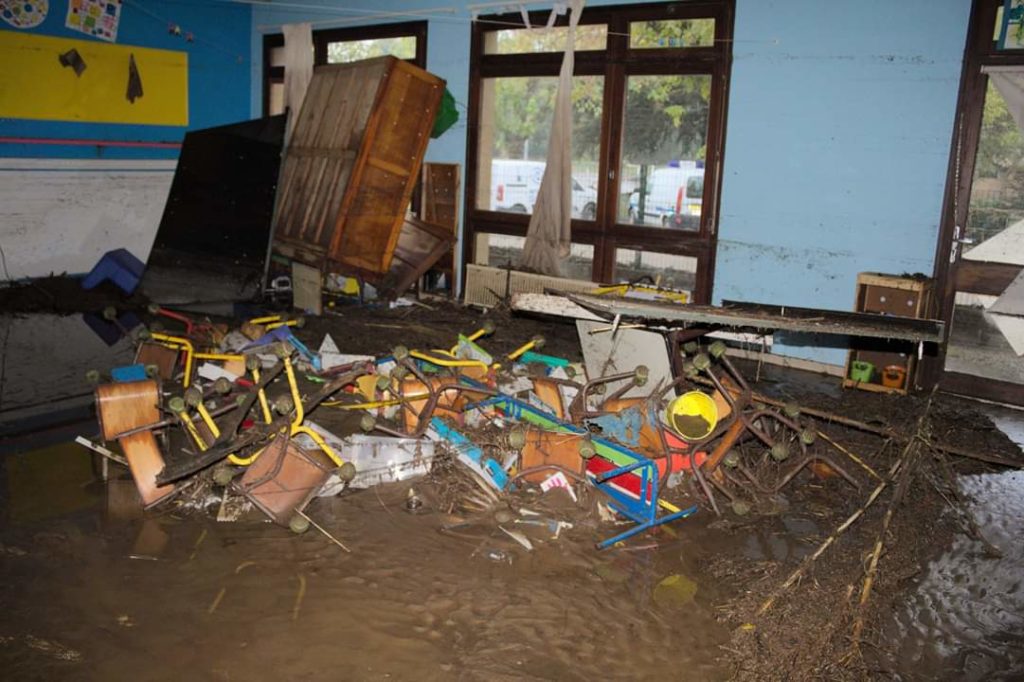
(385, 175)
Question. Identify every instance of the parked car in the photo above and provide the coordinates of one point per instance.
(515, 184)
(673, 198)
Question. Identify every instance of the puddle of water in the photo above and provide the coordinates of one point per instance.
(967, 612)
(44, 361)
(120, 590)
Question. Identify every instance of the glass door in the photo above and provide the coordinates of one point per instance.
(986, 339)
(980, 252)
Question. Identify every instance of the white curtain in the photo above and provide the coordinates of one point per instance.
(549, 236)
(298, 69)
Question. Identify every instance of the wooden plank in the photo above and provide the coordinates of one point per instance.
(893, 281)
(387, 166)
(548, 304)
(978, 277)
(825, 322)
(441, 194)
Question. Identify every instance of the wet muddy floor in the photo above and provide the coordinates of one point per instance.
(92, 588)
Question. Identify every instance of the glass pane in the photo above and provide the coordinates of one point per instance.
(1010, 26)
(497, 250)
(676, 33)
(580, 264)
(276, 104)
(997, 191)
(663, 269)
(515, 125)
(523, 40)
(277, 56)
(403, 47)
(503, 250)
(663, 149)
(982, 341)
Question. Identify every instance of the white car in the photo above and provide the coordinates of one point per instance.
(515, 184)
(673, 198)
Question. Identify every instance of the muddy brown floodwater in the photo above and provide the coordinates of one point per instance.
(92, 588)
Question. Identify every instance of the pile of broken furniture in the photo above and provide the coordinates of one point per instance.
(239, 409)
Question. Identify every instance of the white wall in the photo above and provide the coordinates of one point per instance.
(62, 215)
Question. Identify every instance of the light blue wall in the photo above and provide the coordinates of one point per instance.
(218, 83)
(840, 120)
(839, 124)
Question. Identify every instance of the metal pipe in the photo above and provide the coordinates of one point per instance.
(186, 346)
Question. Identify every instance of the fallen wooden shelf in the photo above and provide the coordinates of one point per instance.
(737, 316)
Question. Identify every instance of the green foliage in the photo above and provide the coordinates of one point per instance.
(403, 47)
(666, 116)
(1000, 156)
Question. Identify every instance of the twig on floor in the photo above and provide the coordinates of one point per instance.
(322, 530)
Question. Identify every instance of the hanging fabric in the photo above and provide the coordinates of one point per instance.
(298, 69)
(1009, 81)
(549, 236)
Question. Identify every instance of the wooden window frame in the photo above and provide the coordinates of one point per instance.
(322, 37)
(615, 64)
(980, 50)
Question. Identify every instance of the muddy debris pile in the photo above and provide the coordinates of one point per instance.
(233, 418)
(522, 450)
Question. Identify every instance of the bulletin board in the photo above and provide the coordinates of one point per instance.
(35, 85)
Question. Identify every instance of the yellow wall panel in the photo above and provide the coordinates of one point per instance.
(34, 84)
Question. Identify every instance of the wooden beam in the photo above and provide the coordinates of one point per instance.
(979, 277)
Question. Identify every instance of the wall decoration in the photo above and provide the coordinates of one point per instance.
(24, 13)
(41, 88)
(1011, 34)
(98, 18)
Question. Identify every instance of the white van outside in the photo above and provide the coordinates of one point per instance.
(673, 199)
(515, 184)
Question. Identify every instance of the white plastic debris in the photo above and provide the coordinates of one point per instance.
(212, 372)
(331, 356)
(558, 480)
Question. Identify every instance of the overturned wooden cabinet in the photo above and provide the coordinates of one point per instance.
(351, 165)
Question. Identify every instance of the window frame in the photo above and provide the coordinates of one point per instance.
(321, 38)
(616, 63)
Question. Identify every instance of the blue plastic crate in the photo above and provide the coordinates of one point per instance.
(120, 267)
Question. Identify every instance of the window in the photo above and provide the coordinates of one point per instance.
(406, 41)
(649, 99)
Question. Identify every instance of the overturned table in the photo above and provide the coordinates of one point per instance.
(686, 322)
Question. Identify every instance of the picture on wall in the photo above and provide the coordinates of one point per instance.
(24, 13)
(1011, 34)
(98, 18)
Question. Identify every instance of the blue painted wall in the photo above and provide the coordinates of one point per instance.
(840, 120)
(839, 125)
(219, 76)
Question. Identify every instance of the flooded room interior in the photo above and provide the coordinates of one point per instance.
(573, 340)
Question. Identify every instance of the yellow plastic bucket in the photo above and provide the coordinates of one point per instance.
(692, 415)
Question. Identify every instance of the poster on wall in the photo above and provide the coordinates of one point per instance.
(24, 13)
(1011, 33)
(97, 18)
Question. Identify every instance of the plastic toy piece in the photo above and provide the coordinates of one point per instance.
(469, 454)
(535, 342)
